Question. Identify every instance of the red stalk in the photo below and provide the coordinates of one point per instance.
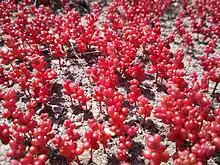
(100, 106)
(60, 62)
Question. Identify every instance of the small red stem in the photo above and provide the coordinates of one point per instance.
(161, 82)
(29, 93)
(215, 87)
(142, 121)
(91, 154)
(207, 55)
(100, 106)
(156, 77)
(60, 62)
(208, 87)
(104, 149)
(86, 107)
(71, 99)
(77, 160)
(11, 65)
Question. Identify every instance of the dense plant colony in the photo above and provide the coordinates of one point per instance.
(130, 48)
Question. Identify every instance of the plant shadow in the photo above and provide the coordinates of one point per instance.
(113, 160)
(149, 94)
(136, 154)
(56, 158)
(150, 125)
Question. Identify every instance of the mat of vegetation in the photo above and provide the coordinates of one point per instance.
(127, 82)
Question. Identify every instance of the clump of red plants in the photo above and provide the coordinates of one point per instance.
(38, 40)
